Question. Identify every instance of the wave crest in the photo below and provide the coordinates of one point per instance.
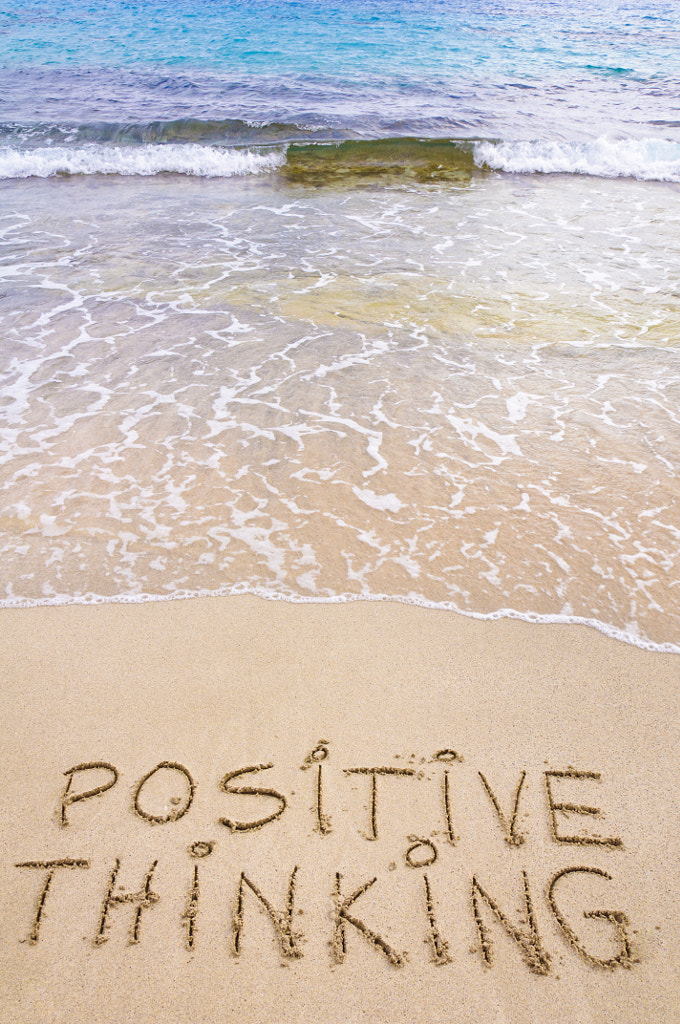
(645, 159)
(202, 161)
(225, 149)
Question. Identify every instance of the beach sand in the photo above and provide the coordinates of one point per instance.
(354, 900)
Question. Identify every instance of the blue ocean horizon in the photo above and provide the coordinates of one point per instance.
(524, 70)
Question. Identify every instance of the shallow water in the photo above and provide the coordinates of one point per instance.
(459, 392)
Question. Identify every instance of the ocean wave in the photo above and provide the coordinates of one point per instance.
(645, 159)
(319, 163)
(201, 161)
(366, 159)
(226, 148)
(206, 131)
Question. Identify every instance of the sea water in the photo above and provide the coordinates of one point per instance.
(322, 301)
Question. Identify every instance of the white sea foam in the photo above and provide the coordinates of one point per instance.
(628, 636)
(381, 502)
(646, 159)
(470, 444)
(202, 161)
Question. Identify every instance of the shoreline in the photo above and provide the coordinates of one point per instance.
(422, 767)
(534, 618)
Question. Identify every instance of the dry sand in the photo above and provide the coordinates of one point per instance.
(142, 919)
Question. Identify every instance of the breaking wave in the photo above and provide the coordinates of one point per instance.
(201, 161)
(226, 148)
(645, 159)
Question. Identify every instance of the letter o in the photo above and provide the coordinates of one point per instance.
(174, 815)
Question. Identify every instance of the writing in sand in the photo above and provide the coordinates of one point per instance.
(498, 907)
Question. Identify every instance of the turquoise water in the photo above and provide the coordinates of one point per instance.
(531, 39)
(326, 301)
(519, 69)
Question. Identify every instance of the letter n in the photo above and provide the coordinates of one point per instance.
(282, 920)
(533, 954)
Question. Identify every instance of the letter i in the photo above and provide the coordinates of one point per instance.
(191, 912)
(317, 756)
(448, 757)
(190, 915)
(323, 823)
(421, 854)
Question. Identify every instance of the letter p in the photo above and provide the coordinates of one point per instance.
(68, 798)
